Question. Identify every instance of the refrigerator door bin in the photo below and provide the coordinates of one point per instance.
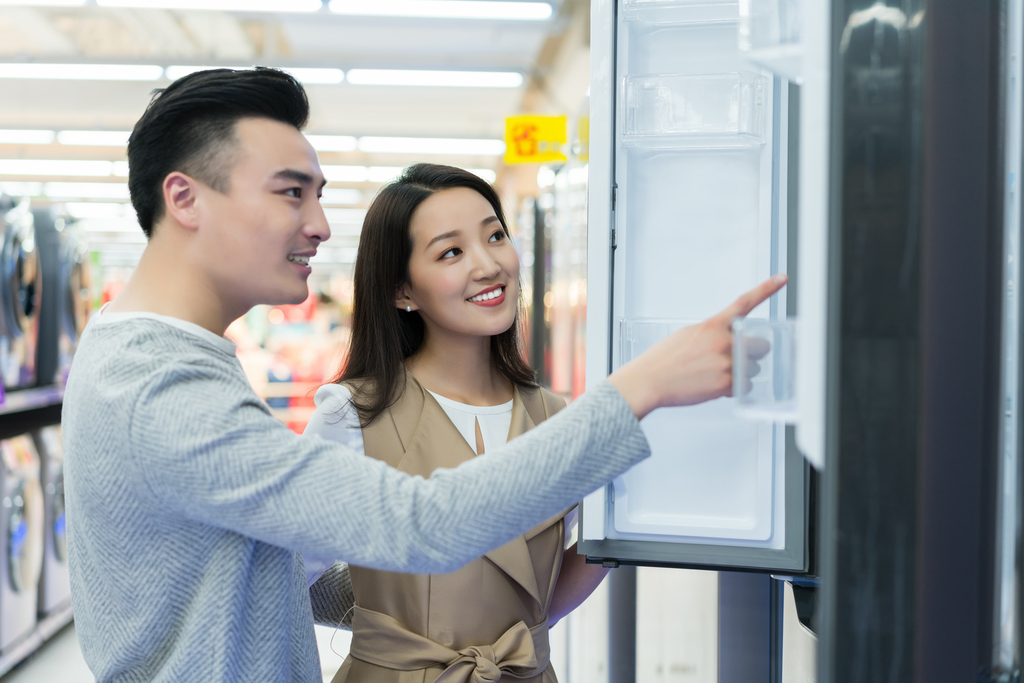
(770, 34)
(764, 362)
(706, 110)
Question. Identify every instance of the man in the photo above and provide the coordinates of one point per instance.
(188, 504)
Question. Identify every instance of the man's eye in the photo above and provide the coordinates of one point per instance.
(294, 192)
(497, 237)
(451, 253)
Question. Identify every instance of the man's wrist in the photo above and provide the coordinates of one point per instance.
(635, 389)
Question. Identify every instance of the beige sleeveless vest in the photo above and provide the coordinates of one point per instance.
(484, 623)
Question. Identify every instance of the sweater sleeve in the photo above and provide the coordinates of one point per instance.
(337, 420)
(332, 598)
(210, 451)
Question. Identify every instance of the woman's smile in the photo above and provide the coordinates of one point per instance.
(492, 296)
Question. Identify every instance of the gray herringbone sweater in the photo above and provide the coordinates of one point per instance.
(188, 503)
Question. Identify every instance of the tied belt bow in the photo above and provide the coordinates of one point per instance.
(379, 639)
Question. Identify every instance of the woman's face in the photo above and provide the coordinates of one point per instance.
(463, 271)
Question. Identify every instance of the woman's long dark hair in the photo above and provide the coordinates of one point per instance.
(383, 336)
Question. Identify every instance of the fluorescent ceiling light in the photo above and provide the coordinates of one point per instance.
(345, 216)
(220, 5)
(86, 190)
(98, 210)
(332, 143)
(317, 76)
(43, 3)
(448, 79)
(22, 189)
(385, 174)
(98, 138)
(346, 174)
(431, 146)
(304, 75)
(445, 9)
(26, 137)
(173, 73)
(485, 173)
(46, 167)
(341, 196)
(83, 72)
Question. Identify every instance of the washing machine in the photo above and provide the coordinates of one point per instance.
(20, 294)
(21, 539)
(54, 583)
(66, 283)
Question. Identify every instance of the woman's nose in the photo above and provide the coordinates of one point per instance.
(485, 266)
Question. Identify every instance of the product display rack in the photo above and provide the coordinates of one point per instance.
(27, 409)
(20, 412)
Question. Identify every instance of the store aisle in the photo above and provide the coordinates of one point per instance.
(60, 659)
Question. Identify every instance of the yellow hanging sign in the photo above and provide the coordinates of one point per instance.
(533, 139)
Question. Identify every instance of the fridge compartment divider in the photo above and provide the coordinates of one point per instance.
(676, 12)
(706, 110)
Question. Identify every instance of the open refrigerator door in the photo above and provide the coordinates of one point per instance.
(688, 209)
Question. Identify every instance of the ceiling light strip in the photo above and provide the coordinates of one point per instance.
(82, 72)
(449, 79)
(445, 9)
(220, 5)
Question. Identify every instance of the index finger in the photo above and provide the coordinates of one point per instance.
(748, 301)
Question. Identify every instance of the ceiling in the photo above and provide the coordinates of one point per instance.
(108, 35)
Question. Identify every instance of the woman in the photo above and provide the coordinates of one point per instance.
(436, 375)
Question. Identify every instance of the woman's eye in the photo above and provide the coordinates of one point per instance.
(497, 237)
(451, 253)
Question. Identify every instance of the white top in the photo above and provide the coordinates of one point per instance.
(336, 419)
(495, 421)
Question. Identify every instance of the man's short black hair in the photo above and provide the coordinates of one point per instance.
(189, 126)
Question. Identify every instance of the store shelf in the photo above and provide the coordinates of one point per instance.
(42, 632)
(31, 399)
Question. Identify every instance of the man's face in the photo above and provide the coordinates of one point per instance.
(255, 241)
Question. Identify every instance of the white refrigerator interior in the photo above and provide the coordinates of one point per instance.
(695, 172)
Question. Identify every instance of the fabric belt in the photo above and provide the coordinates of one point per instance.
(520, 652)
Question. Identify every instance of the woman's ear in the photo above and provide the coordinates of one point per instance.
(403, 300)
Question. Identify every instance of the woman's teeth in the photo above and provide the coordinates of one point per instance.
(487, 296)
(301, 260)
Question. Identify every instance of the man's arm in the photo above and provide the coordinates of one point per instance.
(220, 458)
(227, 462)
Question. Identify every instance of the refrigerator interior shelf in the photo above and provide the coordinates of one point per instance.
(675, 12)
(706, 110)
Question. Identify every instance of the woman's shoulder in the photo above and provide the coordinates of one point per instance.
(332, 395)
(548, 401)
(335, 417)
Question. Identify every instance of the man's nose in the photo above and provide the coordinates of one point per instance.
(317, 226)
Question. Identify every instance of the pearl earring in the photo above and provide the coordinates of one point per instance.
(408, 309)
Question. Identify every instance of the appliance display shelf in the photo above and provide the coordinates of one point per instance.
(43, 631)
(22, 400)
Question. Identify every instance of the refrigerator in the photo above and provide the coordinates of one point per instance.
(702, 159)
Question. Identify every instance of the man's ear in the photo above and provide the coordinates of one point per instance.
(180, 195)
(403, 300)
